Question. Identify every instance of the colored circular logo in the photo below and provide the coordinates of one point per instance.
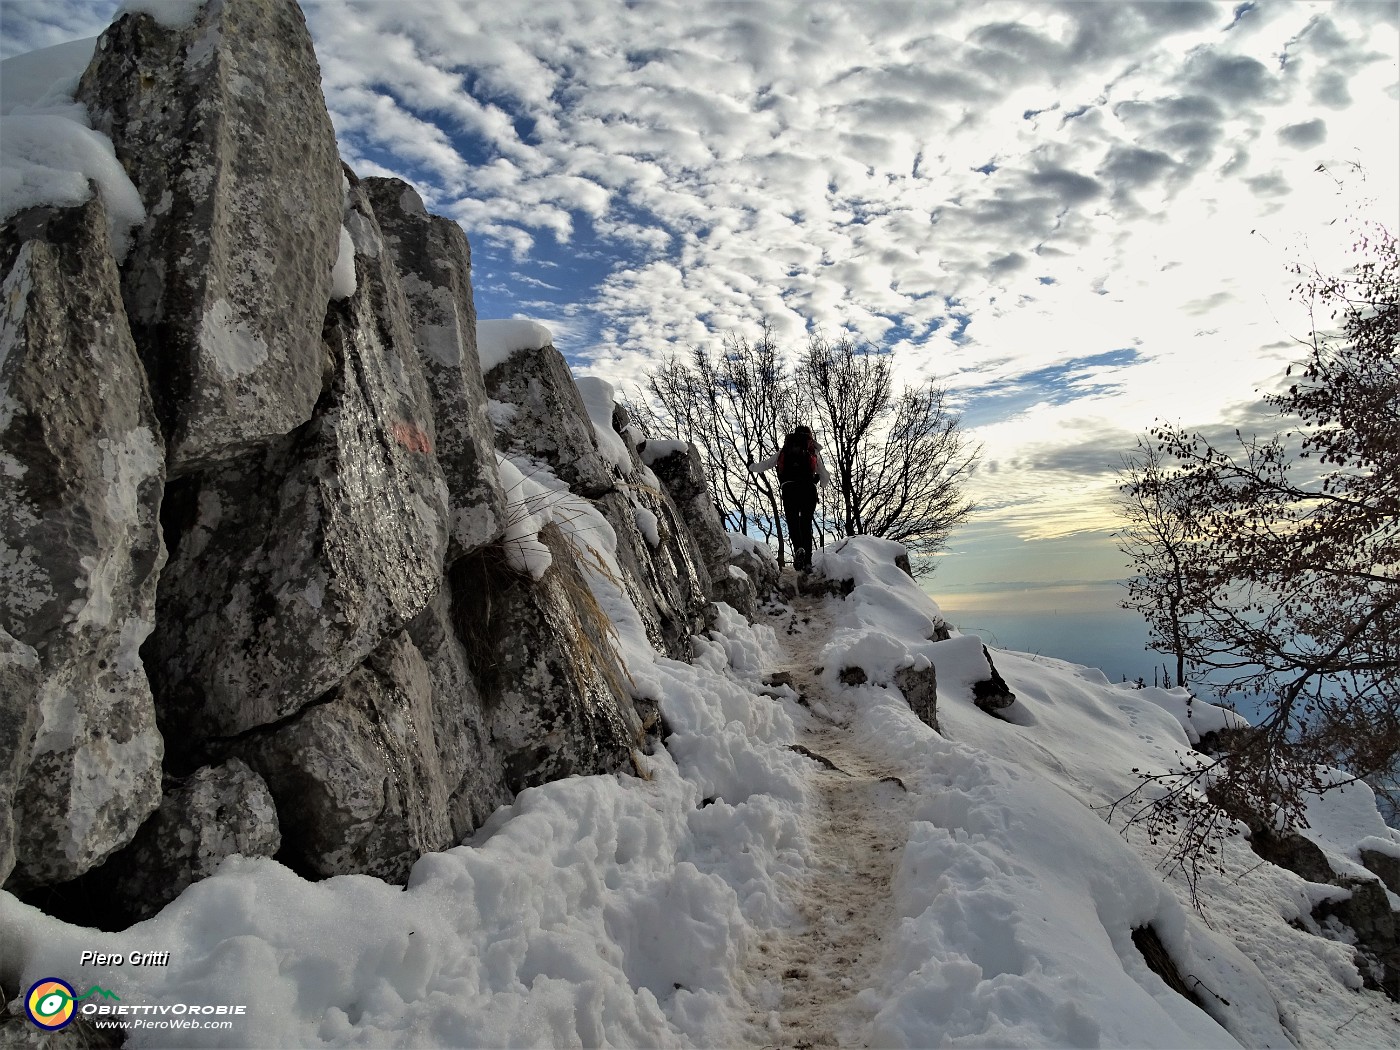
(50, 1003)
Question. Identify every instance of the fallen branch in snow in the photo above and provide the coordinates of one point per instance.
(819, 759)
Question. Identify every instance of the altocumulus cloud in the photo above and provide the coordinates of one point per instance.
(1007, 193)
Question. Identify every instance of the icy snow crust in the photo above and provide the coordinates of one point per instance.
(615, 910)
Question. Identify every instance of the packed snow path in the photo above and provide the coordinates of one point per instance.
(805, 979)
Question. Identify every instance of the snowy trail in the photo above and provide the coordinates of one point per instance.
(805, 979)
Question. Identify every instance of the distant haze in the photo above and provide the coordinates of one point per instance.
(1081, 623)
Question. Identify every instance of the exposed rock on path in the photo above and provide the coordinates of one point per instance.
(806, 980)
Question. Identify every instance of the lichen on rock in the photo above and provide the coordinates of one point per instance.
(80, 547)
(221, 125)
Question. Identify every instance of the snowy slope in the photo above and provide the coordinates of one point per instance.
(640, 912)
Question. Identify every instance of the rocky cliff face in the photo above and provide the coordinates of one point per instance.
(255, 591)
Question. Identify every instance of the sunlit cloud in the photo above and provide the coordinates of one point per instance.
(1077, 216)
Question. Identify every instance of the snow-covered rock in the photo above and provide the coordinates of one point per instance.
(80, 548)
(683, 476)
(756, 561)
(221, 125)
(551, 423)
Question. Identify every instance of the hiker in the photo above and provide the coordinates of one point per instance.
(800, 469)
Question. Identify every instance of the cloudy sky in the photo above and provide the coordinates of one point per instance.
(1077, 215)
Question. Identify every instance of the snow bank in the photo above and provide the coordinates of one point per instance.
(602, 910)
(1345, 821)
(600, 398)
(883, 597)
(51, 156)
(1197, 717)
(1017, 900)
(497, 341)
(44, 81)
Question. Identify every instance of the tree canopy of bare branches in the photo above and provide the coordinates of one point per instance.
(1275, 561)
(898, 458)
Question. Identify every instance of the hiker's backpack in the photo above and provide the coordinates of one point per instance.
(797, 462)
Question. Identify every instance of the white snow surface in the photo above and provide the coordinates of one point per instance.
(498, 340)
(600, 398)
(344, 280)
(43, 81)
(50, 155)
(661, 448)
(530, 505)
(648, 526)
(172, 14)
(621, 911)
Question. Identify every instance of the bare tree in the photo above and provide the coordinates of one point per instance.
(1156, 536)
(734, 407)
(898, 458)
(1293, 577)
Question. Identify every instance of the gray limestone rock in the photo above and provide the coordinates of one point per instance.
(80, 546)
(663, 568)
(19, 714)
(290, 566)
(759, 566)
(543, 655)
(1366, 910)
(214, 813)
(356, 776)
(682, 475)
(920, 689)
(472, 774)
(1386, 867)
(667, 582)
(1287, 849)
(550, 423)
(736, 588)
(434, 263)
(224, 131)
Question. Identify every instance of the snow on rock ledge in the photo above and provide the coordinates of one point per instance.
(498, 340)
